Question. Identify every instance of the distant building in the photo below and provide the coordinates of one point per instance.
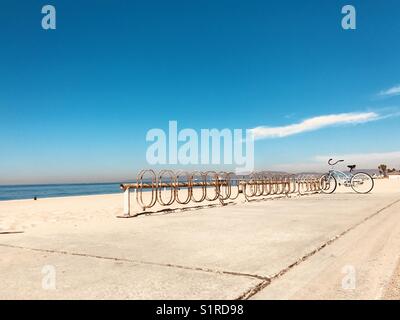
(394, 175)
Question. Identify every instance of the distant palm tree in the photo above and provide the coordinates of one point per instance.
(383, 170)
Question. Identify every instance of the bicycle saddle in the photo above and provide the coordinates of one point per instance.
(351, 167)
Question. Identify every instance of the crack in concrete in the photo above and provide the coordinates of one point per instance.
(11, 232)
(251, 292)
(208, 270)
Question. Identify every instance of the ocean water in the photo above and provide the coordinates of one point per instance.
(56, 190)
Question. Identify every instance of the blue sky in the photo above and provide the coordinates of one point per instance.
(76, 102)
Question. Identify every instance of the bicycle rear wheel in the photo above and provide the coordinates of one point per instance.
(362, 182)
(328, 183)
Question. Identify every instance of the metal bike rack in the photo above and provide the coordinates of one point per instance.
(167, 187)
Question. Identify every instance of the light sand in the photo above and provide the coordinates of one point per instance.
(392, 291)
(221, 252)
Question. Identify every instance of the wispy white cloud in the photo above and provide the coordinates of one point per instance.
(315, 123)
(394, 91)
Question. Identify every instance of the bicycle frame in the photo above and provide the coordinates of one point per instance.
(341, 177)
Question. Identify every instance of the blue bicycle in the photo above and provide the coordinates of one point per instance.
(360, 182)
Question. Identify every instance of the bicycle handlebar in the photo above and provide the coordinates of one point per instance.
(332, 164)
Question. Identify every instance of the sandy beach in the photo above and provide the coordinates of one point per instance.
(296, 247)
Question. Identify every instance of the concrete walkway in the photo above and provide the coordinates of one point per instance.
(291, 248)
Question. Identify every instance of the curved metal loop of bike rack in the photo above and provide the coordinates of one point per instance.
(212, 184)
(164, 186)
(198, 184)
(141, 185)
(179, 185)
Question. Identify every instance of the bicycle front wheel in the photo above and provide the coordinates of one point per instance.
(328, 183)
(362, 182)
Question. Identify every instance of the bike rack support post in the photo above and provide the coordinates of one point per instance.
(127, 202)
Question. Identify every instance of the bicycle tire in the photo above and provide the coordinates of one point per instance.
(370, 179)
(323, 190)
